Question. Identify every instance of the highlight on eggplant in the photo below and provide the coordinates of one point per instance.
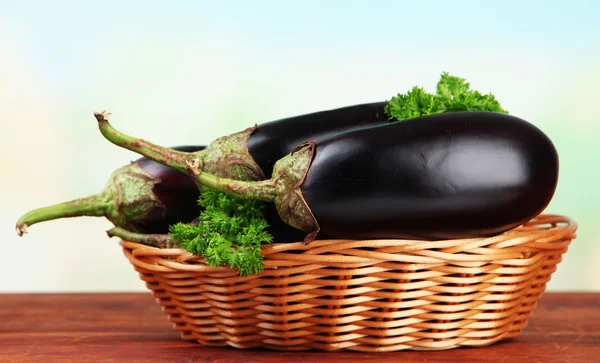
(144, 196)
(446, 176)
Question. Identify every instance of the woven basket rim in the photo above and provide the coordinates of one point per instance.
(506, 247)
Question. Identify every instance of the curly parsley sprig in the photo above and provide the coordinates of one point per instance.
(453, 94)
(229, 233)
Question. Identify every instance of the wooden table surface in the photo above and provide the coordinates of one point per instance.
(565, 327)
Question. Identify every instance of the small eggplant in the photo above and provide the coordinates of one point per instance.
(144, 196)
(446, 176)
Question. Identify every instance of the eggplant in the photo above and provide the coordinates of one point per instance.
(144, 196)
(251, 153)
(446, 176)
(449, 176)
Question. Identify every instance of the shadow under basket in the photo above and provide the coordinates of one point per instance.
(366, 295)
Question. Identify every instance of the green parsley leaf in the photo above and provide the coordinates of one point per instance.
(453, 94)
(229, 233)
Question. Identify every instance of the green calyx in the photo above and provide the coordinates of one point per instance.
(130, 190)
(228, 157)
(289, 173)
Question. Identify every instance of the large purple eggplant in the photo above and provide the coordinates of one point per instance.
(453, 175)
(144, 196)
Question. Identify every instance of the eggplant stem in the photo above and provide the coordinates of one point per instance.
(175, 159)
(258, 190)
(92, 206)
(154, 240)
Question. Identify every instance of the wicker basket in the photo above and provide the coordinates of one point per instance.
(379, 295)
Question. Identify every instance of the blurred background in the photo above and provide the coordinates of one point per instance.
(187, 72)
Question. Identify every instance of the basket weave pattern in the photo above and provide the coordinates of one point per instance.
(379, 295)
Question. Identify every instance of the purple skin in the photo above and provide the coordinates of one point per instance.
(455, 175)
(177, 192)
(273, 140)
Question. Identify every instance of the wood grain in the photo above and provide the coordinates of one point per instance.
(565, 327)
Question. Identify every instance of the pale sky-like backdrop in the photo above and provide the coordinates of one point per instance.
(186, 72)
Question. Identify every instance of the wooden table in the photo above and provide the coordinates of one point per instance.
(565, 327)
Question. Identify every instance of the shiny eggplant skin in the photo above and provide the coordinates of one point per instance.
(273, 140)
(176, 190)
(453, 175)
